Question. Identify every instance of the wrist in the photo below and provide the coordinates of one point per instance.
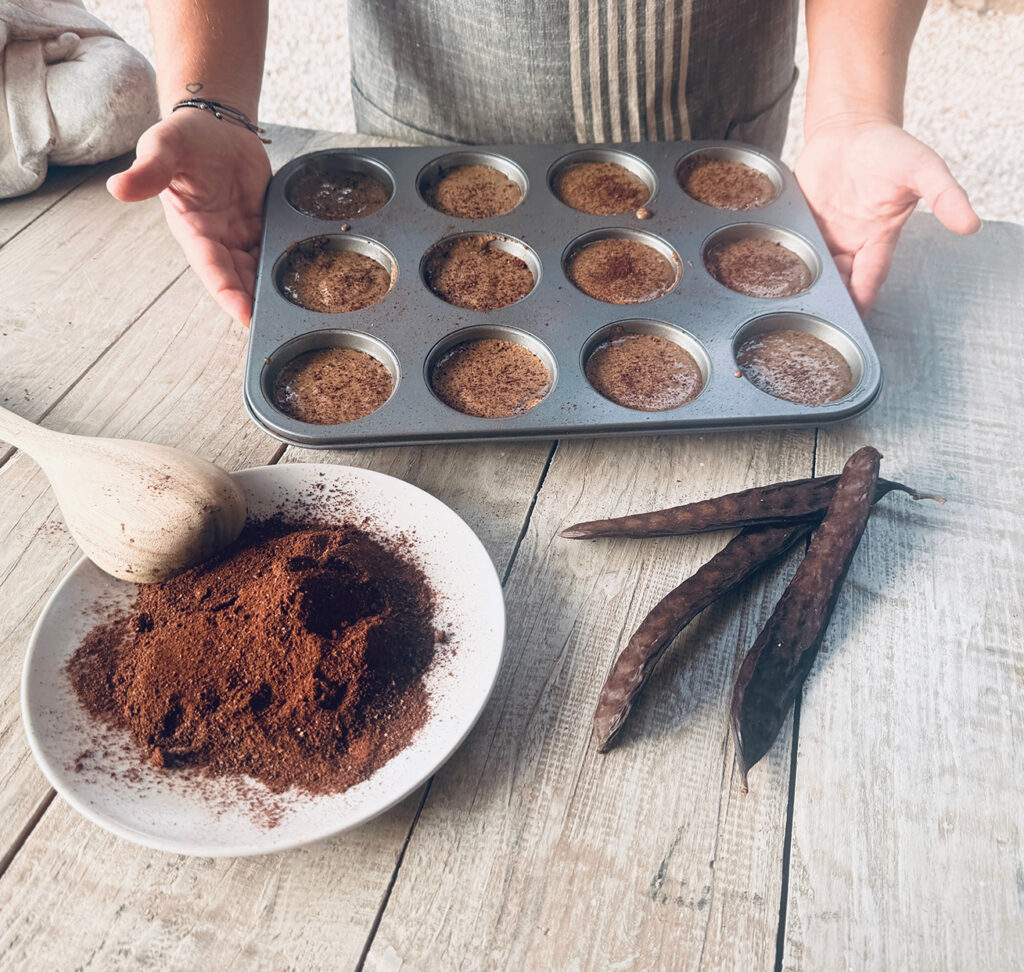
(849, 115)
(221, 113)
(243, 101)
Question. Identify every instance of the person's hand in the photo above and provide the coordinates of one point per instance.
(211, 177)
(863, 180)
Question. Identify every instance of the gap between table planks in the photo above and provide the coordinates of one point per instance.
(17, 213)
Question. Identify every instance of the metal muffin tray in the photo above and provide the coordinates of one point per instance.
(411, 327)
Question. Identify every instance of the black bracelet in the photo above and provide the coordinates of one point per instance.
(223, 111)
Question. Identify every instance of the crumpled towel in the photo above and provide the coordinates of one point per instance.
(72, 92)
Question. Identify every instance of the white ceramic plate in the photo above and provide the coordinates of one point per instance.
(97, 772)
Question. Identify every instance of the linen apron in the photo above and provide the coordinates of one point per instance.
(479, 71)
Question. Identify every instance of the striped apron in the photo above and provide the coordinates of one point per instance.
(485, 71)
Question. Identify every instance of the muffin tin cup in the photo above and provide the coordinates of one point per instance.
(793, 242)
(487, 332)
(750, 157)
(814, 326)
(411, 321)
(330, 163)
(321, 341)
(500, 241)
(616, 155)
(662, 329)
(438, 167)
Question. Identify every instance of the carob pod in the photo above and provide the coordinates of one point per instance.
(739, 559)
(779, 503)
(775, 668)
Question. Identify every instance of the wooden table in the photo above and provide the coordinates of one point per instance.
(884, 830)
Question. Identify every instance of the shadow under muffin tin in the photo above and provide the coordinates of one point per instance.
(410, 329)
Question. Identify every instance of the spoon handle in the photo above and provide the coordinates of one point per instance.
(21, 433)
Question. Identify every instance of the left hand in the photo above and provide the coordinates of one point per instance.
(863, 179)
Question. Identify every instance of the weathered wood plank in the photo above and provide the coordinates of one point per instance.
(534, 852)
(17, 213)
(908, 834)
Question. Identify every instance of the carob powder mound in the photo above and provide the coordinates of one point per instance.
(621, 271)
(644, 371)
(726, 184)
(340, 195)
(600, 188)
(333, 281)
(296, 657)
(758, 268)
(490, 378)
(796, 366)
(332, 385)
(473, 192)
(471, 272)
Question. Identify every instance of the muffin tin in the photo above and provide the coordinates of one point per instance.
(411, 327)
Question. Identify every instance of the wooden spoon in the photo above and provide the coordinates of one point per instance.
(140, 511)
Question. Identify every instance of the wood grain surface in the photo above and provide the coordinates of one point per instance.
(907, 822)
(885, 834)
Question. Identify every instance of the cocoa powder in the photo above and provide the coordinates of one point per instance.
(473, 192)
(296, 658)
(475, 273)
(621, 271)
(727, 184)
(600, 188)
(795, 366)
(758, 268)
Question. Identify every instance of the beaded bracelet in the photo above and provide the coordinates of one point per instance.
(221, 112)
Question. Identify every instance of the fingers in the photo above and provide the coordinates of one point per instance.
(156, 159)
(229, 275)
(945, 196)
(844, 264)
(236, 303)
(869, 269)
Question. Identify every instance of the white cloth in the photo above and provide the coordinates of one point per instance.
(71, 91)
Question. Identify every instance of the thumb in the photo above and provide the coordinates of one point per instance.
(945, 196)
(156, 160)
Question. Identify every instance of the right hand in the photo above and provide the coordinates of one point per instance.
(211, 177)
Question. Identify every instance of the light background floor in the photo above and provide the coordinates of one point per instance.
(965, 95)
